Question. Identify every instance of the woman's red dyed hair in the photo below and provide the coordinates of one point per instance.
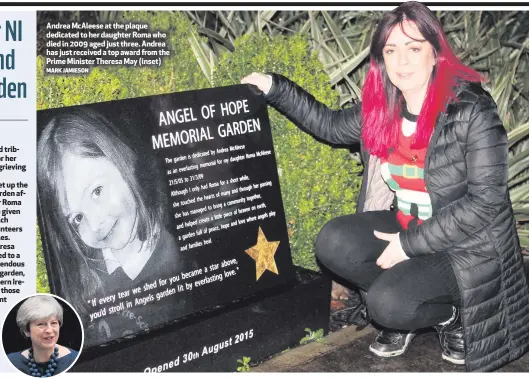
(382, 101)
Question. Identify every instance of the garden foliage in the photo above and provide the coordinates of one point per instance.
(318, 182)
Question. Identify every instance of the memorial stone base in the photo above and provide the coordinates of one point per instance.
(257, 327)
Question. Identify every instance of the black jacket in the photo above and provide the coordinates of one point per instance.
(466, 171)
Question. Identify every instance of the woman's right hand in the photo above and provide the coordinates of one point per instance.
(261, 81)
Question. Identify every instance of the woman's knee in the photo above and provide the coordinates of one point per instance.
(331, 241)
(347, 238)
(388, 309)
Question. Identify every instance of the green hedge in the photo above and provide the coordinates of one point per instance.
(317, 182)
(179, 71)
(42, 277)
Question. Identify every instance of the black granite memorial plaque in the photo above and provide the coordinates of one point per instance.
(256, 327)
(154, 208)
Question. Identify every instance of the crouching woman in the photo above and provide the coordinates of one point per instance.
(434, 243)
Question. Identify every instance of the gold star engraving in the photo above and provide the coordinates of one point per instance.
(263, 255)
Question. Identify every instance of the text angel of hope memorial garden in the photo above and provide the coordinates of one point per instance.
(158, 207)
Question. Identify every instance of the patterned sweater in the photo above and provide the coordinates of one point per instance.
(403, 171)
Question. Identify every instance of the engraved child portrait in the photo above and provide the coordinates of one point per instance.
(103, 213)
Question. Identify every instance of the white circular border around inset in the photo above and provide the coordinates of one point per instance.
(71, 307)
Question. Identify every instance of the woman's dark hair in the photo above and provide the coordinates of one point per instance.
(382, 101)
(86, 133)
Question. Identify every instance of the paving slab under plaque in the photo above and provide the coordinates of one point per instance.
(348, 351)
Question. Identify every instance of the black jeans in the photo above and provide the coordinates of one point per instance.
(416, 293)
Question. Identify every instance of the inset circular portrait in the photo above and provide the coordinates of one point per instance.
(42, 335)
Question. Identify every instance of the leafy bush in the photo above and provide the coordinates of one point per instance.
(55, 91)
(179, 71)
(317, 181)
(42, 276)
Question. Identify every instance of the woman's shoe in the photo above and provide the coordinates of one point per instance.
(451, 337)
(391, 343)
